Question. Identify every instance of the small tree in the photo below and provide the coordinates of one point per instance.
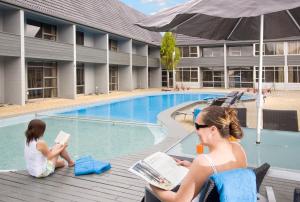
(169, 53)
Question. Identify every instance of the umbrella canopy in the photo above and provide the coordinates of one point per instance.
(229, 19)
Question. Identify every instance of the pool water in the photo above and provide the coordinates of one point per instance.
(278, 148)
(142, 109)
(101, 140)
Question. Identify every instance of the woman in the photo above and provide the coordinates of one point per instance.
(214, 126)
(41, 161)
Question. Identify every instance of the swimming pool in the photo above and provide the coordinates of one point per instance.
(278, 148)
(102, 140)
(140, 109)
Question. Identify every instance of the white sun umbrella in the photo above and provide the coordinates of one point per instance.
(231, 20)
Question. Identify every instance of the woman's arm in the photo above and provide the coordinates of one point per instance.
(191, 184)
(43, 147)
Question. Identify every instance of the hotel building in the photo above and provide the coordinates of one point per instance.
(234, 64)
(55, 48)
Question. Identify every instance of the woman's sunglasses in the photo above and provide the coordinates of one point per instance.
(198, 126)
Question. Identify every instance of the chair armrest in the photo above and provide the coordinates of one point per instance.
(270, 194)
(150, 196)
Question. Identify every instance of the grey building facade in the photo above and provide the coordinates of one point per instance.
(63, 49)
(234, 64)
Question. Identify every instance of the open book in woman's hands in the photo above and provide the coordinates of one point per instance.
(160, 170)
(62, 138)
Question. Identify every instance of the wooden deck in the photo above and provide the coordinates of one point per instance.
(113, 186)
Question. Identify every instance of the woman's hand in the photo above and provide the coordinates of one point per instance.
(184, 163)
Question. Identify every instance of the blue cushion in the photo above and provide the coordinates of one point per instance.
(236, 185)
(196, 112)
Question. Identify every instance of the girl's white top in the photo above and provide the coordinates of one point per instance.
(36, 162)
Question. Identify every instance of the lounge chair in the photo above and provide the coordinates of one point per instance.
(166, 89)
(242, 116)
(229, 99)
(280, 120)
(184, 113)
(209, 190)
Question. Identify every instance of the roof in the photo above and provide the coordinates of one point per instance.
(111, 16)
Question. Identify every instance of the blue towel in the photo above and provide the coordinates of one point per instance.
(101, 167)
(83, 159)
(84, 167)
(236, 185)
(87, 165)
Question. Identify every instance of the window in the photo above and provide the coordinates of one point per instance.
(80, 81)
(42, 79)
(294, 74)
(79, 38)
(189, 51)
(113, 45)
(212, 77)
(240, 51)
(187, 74)
(213, 52)
(294, 47)
(271, 74)
(270, 48)
(240, 77)
(40, 30)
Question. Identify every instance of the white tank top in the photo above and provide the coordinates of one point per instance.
(36, 162)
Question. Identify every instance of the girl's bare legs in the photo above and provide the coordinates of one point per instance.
(65, 155)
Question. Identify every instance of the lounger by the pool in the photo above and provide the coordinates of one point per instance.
(184, 113)
(242, 116)
(280, 120)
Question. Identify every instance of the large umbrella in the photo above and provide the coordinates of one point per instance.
(231, 20)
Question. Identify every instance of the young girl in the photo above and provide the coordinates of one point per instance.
(41, 161)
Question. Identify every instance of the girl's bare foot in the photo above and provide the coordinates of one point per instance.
(71, 163)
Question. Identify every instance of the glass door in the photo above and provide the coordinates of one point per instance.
(80, 78)
(113, 78)
(35, 81)
(42, 79)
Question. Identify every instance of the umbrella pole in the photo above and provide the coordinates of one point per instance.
(259, 101)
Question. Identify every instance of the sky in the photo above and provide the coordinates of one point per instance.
(150, 7)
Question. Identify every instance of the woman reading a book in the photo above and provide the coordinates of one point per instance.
(41, 160)
(214, 126)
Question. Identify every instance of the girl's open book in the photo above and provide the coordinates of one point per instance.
(160, 170)
(62, 137)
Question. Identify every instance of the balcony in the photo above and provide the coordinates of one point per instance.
(44, 49)
(10, 44)
(153, 62)
(138, 60)
(90, 55)
(118, 58)
(202, 61)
